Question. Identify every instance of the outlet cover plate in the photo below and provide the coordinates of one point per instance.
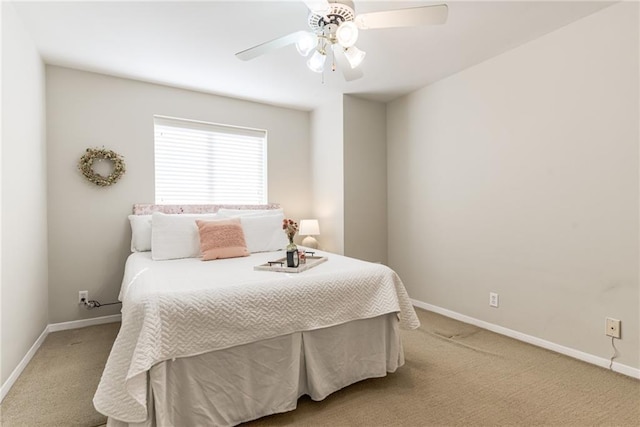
(613, 327)
(493, 299)
(81, 295)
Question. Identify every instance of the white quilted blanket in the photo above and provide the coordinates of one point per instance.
(187, 307)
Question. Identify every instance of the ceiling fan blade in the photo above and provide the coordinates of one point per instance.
(415, 16)
(319, 7)
(344, 66)
(261, 49)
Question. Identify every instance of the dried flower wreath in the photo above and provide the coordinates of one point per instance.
(86, 166)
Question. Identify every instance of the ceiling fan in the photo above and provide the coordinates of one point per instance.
(334, 30)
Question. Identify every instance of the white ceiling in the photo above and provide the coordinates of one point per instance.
(192, 44)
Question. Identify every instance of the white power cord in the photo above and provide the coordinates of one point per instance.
(615, 353)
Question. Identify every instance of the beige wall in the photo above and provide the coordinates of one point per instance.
(365, 179)
(348, 161)
(89, 233)
(24, 194)
(520, 176)
(327, 174)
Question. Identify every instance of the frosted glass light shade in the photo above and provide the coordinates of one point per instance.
(316, 62)
(347, 34)
(309, 227)
(354, 56)
(306, 43)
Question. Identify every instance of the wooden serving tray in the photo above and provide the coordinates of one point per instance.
(312, 261)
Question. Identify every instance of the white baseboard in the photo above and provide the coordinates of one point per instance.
(23, 364)
(53, 327)
(539, 342)
(77, 324)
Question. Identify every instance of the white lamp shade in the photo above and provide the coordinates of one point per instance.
(347, 34)
(354, 56)
(316, 62)
(306, 43)
(309, 227)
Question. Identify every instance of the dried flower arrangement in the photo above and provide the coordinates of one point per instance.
(290, 228)
(92, 154)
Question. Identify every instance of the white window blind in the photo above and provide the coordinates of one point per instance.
(203, 163)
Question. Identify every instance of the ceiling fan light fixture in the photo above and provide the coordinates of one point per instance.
(306, 43)
(316, 62)
(354, 56)
(347, 34)
(334, 29)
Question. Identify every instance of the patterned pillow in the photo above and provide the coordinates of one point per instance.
(222, 239)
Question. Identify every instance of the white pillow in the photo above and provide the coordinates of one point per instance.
(228, 213)
(264, 233)
(140, 233)
(176, 236)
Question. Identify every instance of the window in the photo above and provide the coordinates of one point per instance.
(206, 163)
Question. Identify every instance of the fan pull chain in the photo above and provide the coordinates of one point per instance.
(333, 60)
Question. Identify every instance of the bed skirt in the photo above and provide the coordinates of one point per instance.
(243, 383)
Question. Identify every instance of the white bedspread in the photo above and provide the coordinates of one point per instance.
(182, 308)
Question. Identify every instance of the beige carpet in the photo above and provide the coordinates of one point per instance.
(57, 386)
(455, 375)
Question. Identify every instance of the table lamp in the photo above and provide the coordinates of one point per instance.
(309, 228)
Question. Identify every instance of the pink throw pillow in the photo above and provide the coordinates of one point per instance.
(221, 239)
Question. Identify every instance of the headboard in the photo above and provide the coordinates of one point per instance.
(147, 209)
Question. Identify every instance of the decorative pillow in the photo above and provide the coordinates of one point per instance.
(264, 233)
(175, 236)
(223, 238)
(231, 213)
(140, 233)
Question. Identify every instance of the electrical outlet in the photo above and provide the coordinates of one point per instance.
(613, 327)
(493, 299)
(83, 297)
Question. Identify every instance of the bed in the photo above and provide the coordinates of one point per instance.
(219, 343)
